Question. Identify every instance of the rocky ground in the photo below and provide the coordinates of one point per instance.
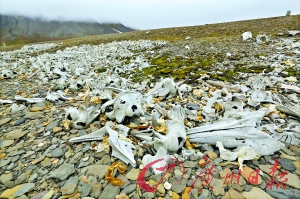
(37, 159)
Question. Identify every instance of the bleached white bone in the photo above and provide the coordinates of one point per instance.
(121, 148)
(125, 104)
(82, 116)
(5, 73)
(96, 135)
(247, 35)
(160, 154)
(237, 132)
(176, 134)
(6, 101)
(29, 100)
(165, 88)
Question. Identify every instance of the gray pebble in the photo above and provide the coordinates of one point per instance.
(33, 177)
(24, 189)
(21, 179)
(50, 126)
(105, 160)
(20, 121)
(283, 193)
(129, 189)
(70, 186)
(5, 177)
(4, 162)
(177, 186)
(287, 164)
(58, 152)
(63, 171)
(110, 191)
(85, 189)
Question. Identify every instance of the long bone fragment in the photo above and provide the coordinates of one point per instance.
(235, 133)
(121, 148)
(221, 85)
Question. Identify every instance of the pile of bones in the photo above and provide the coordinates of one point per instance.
(245, 120)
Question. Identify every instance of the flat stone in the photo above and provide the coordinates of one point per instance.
(129, 189)
(293, 180)
(20, 179)
(58, 152)
(234, 194)
(20, 121)
(85, 189)
(56, 129)
(297, 165)
(178, 186)
(283, 155)
(97, 170)
(105, 160)
(218, 187)
(24, 189)
(133, 174)
(41, 158)
(190, 164)
(22, 197)
(256, 193)
(266, 168)
(99, 155)
(16, 134)
(287, 164)
(110, 191)
(177, 172)
(9, 193)
(50, 126)
(6, 177)
(46, 162)
(34, 115)
(249, 173)
(124, 179)
(278, 192)
(39, 195)
(32, 177)
(4, 121)
(36, 109)
(49, 194)
(2, 155)
(226, 196)
(231, 179)
(63, 171)
(6, 143)
(76, 158)
(122, 196)
(288, 151)
(70, 186)
(4, 162)
(161, 189)
(212, 155)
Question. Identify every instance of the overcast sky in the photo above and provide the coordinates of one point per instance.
(151, 14)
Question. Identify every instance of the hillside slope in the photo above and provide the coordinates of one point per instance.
(19, 29)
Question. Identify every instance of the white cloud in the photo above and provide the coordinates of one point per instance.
(148, 14)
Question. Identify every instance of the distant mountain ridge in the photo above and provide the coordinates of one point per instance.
(20, 29)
